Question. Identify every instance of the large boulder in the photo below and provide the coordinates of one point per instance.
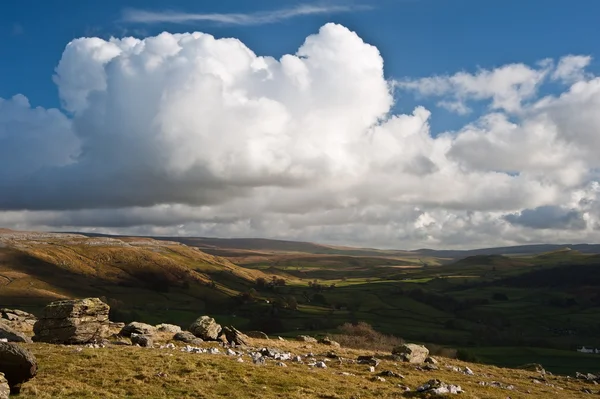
(187, 337)
(77, 321)
(411, 353)
(142, 340)
(137, 328)
(206, 328)
(4, 387)
(235, 336)
(12, 335)
(169, 328)
(18, 365)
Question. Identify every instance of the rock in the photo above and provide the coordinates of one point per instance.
(281, 364)
(438, 387)
(370, 360)
(257, 358)
(281, 338)
(12, 335)
(114, 325)
(18, 365)
(4, 387)
(321, 365)
(77, 321)
(535, 367)
(136, 327)
(468, 371)
(411, 353)
(206, 328)
(142, 340)
(169, 328)
(239, 360)
(431, 360)
(380, 379)
(257, 335)
(187, 337)
(306, 338)
(297, 359)
(235, 336)
(327, 341)
(390, 373)
(371, 369)
(17, 315)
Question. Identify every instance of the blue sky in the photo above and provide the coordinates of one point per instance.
(474, 124)
(416, 37)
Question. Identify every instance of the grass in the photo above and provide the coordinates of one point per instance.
(117, 372)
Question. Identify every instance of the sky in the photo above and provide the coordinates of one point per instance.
(385, 123)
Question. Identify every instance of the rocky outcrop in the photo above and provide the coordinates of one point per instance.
(168, 328)
(16, 315)
(235, 336)
(187, 337)
(142, 340)
(77, 321)
(12, 335)
(4, 387)
(411, 353)
(137, 328)
(206, 328)
(18, 365)
(306, 338)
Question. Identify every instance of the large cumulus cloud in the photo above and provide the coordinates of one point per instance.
(189, 134)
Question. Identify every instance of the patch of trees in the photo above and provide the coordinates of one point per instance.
(263, 283)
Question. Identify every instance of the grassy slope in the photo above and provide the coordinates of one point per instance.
(117, 372)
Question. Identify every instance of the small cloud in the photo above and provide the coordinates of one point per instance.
(571, 68)
(457, 107)
(17, 29)
(255, 18)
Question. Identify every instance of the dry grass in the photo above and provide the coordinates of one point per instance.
(363, 336)
(117, 372)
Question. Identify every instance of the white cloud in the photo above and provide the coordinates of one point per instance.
(255, 18)
(571, 68)
(188, 134)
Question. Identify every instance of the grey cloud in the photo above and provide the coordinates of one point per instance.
(548, 217)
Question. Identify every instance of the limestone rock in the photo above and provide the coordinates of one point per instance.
(367, 359)
(187, 337)
(438, 387)
(170, 328)
(18, 316)
(137, 328)
(142, 340)
(206, 328)
(77, 321)
(235, 336)
(306, 338)
(12, 335)
(431, 360)
(411, 353)
(4, 387)
(18, 365)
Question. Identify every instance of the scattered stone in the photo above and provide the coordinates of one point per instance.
(280, 338)
(281, 364)
(297, 359)
(18, 365)
(327, 341)
(390, 373)
(142, 340)
(536, 367)
(428, 367)
(431, 360)
(275, 354)
(370, 360)
(332, 355)
(77, 321)
(379, 379)
(438, 387)
(235, 336)
(257, 335)
(4, 387)
(213, 351)
(169, 328)
(187, 337)
(468, 371)
(230, 352)
(411, 353)
(497, 384)
(239, 360)
(206, 328)
(371, 369)
(193, 349)
(137, 328)
(257, 358)
(168, 346)
(306, 338)
(403, 388)
(12, 335)
(16, 315)
(321, 365)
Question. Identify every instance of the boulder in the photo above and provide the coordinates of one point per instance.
(431, 360)
(12, 335)
(4, 387)
(169, 328)
(137, 328)
(257, 335)
(234, 336)
(17, 315)
(206, 328)
(437, 387)
(78, 321)
(327, 341)
(411, 353)
(367, 359)
(306, 338)
(142, 340)
(18, 365)
(187, 337)
(536, 367)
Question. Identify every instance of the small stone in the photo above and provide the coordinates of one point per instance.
(431, 360)
(371, 369)
(281, 364)
(141, 340)
(239, 360)
(321, 365)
